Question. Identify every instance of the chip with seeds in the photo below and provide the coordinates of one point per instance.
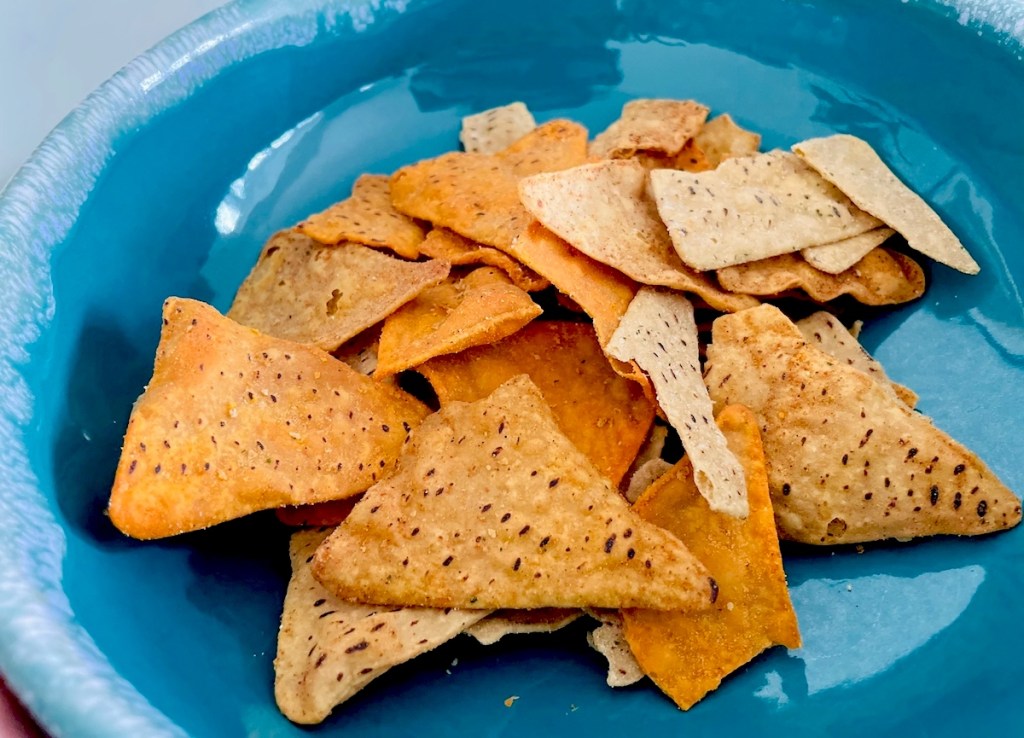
(493, 507)
(303, 291)
(234, 421)
(602, 210)
(658, 332)
(457, 250)
(367, 217)
(662, 126)
(720, 139)
(688, 654)
(855, 168)
(490, 131)
(605, 416)
(750, 208)
(558, 144)
(838, 256)
(329, 649)
(464, 311)
(609, 640)
(501, 623)
(883, 277)
(849, 461)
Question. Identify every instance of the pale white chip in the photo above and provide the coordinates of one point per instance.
(751, 208)
(501, 623)
(609, 640)
(645, 475)
(492, 130)
(838, 256)
(659, 333)
(855, 168)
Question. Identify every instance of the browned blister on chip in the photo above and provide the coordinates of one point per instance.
(883, 277)
(721, 138)
(234, 421)
(555, 145)
(501, 623)
(848, 461)
(367, 217)
(465, 311)
(306, 292)
(688, 654)
(838, 256)
(659, 333)
(853, 166)
(457, 250)
(492, 130)
(750, 208)
(662, 126)
(493, 507)
(602, 210)
(329, 649)
(605, 416)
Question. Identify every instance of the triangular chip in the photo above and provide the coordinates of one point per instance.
(849, 462)
(602, 210)
(501, 623)
(558, 144)
(233, 422)
(883, 277)
(605, 416)
(367, 217)
(609, 640)
(720, 139)
(688, 654)
(662, 126)
(329, 649)
(493, 507)
(457, 250)
(490, 131)
(838, 256)
(853, 166)
(750, 208)
(303, 291)
(659, 333)
(464, 311)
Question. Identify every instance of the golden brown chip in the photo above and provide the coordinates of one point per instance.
(605, 416)
(720, 139)
(234, 421)
(478, 308)
(690, 159)
(367, 217)
(883, 277)
(602, 210)
(848, 461)
(609, 640)
(492, 506)
(490, 131)
(662, 126)
(838, 256)
(316, 515)
(303, 291)
(501, 623)
(449, 246)
(688, 654)
(555, 145)
(329, 649)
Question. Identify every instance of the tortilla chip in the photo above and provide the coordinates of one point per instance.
(853, 166)
(658, 332)
(360, 353)
(234, 421)
(493, 507)
(367, 217)
(662, 126)
(838, 256)
(826, 332)
(605, 416)
(442, 243)
(558, 144)
(722, 139)
(690, 159)
(645, 475)
(329, 649)
(492, 130)
(478, 308)
(303, 291)
(849, 462)
(601, 209)
(316, 515)
(883, 277)
(688, 654)
(609, 640)
(750, 208)
(499, 624)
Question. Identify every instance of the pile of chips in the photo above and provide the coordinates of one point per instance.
(463, 384)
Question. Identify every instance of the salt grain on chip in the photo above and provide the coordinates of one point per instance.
(492, 130)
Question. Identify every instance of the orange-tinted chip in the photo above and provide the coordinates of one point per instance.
(688, 654)
(449, 246)
(480, 307)
(690, 159)
(558, 144)
(605, 416)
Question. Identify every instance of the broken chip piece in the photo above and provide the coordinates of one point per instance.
(609, 640)
(457, 250)
(501, 623)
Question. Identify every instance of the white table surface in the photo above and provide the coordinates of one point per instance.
(52, 54)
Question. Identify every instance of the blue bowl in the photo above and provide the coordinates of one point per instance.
(168, 179)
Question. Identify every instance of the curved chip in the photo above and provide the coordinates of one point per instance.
(447, 245)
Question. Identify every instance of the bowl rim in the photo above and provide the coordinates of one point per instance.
(47, 659)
